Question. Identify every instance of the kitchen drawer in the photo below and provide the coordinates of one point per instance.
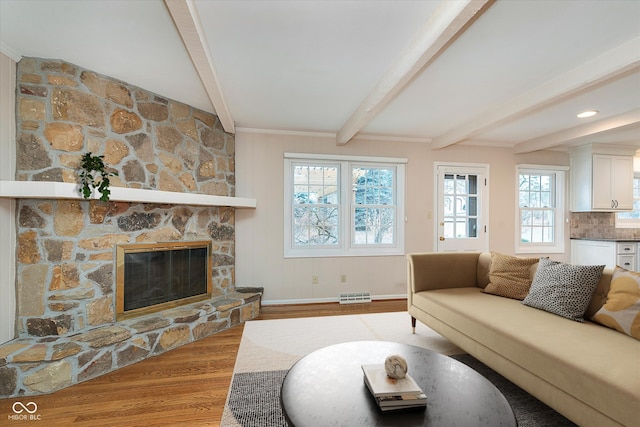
(626, 248)
(628, 262)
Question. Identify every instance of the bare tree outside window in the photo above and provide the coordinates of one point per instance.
(343, 206)
(374, 211)
(316, 205)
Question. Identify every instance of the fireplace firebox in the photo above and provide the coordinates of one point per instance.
(156, 276)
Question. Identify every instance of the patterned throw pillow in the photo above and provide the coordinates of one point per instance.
(621, 311)
(563, 289)
(509, 276)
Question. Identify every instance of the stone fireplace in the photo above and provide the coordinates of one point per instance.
(67, 327)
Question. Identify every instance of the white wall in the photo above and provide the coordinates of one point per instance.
(259, 232)
(7, 206)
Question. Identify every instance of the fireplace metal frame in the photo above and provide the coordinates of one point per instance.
(123, 249)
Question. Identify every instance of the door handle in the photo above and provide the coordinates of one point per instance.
(441, 239)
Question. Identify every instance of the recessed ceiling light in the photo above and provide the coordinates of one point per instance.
(588, 113)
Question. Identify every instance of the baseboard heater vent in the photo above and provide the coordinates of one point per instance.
(356, 297)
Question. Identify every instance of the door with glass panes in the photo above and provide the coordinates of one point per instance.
(461, 208)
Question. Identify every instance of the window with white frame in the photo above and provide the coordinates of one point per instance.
(540, 226)
(631, 219)
(343, 206)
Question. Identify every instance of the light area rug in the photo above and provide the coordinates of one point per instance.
(269, 345)
(269, 348)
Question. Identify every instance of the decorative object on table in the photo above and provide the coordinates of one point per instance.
(395, 366)
(94, 176)
(393, 393)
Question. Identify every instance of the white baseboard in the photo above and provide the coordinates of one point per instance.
(322, 300)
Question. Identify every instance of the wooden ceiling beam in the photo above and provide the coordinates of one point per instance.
(620, 121)
(187, 21)
(599, 70)
(439, 30)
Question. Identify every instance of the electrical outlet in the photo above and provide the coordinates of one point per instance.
(314, 279)
(343, 278)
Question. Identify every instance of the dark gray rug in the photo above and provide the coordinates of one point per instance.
(254, 399)
(529, 411)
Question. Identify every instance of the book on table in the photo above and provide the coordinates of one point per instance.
(391, 393)
(402, 401)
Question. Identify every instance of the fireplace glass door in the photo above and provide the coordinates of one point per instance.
(157, 276)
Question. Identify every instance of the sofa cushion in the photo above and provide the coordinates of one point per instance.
(563, 289)
(621, 311)
(600, 295)
(484, 265)
(509, 276)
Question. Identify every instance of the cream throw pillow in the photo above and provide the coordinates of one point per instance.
(621, 311)
(510, 276)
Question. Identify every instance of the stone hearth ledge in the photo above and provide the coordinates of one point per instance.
(69, 191)
(40, 365)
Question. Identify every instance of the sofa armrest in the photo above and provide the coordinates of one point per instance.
(441, 270)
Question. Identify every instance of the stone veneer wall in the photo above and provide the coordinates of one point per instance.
(599, 225)
(66, 325)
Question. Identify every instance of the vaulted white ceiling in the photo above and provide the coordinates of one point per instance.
(510, 73)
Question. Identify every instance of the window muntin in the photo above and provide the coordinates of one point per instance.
(537, 207)
(460, 206)
(540, 193)
(373, 205)
(343, 207)
(316, 205)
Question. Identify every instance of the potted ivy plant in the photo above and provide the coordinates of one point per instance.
(95, 176)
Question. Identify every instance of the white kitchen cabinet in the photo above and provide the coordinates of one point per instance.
(612, 182)
(601, 179)
(593, 252)
(626, 255)
(609, 253)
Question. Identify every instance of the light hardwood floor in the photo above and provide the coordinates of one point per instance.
(183, 387)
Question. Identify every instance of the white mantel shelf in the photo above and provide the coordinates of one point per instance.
(66, 190)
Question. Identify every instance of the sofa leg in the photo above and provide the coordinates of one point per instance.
(413, 324)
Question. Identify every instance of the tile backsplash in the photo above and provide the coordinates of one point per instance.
(599, 225)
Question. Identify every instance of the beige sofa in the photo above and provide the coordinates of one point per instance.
(585, 371)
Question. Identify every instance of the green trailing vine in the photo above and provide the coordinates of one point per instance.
(93, 175)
